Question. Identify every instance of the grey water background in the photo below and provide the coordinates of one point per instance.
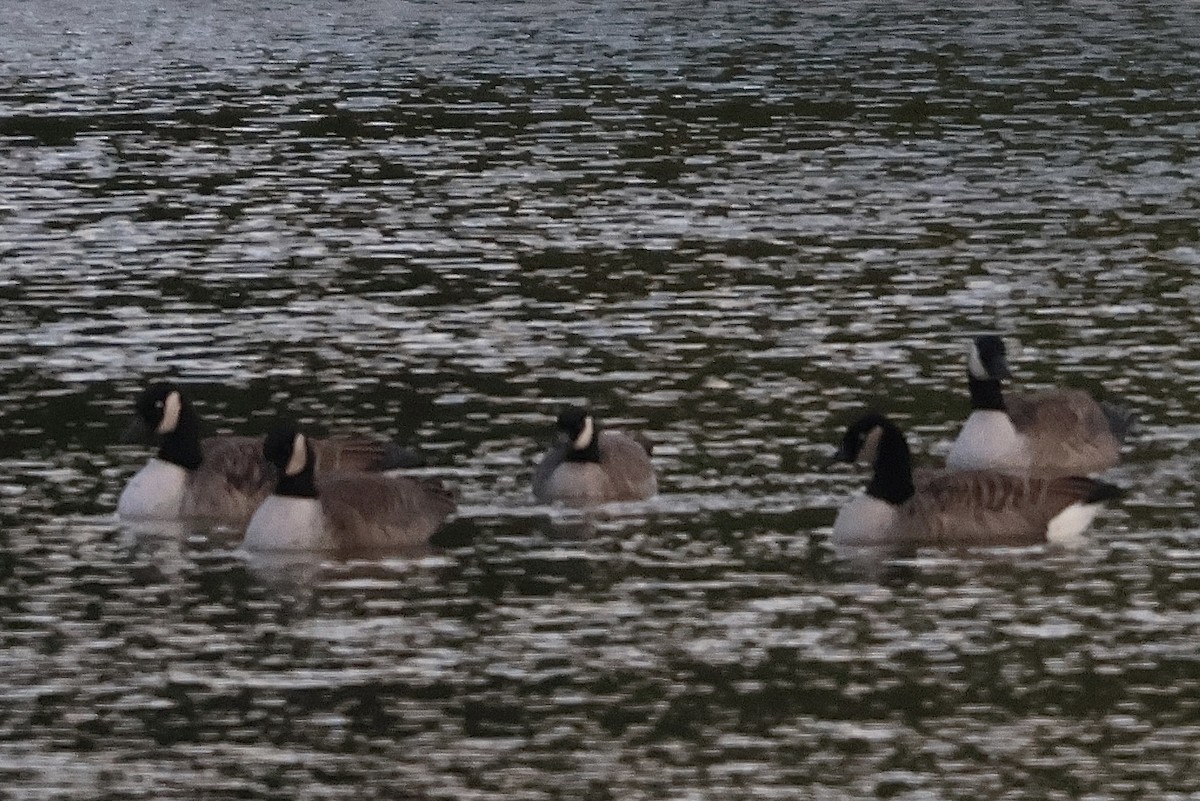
(729, 225)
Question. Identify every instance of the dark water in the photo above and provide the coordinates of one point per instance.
(728, 225)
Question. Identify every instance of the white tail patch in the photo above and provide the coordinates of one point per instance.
(299, 458)
(172, 406)
(585, 434)
(1067, 527)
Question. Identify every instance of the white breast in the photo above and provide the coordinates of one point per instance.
(282, 523)
(989, 441)
(576, 483)
(154, 493)
(864, 521)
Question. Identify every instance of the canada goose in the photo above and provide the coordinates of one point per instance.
(590, 466)
(974, 507)
(220, 479)
(1055, 432)
(347, 511)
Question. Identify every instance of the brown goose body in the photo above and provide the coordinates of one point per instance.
(986, 508)
(347, 512)
(1068, 431)
(590, 466)
(1053, 432)
(371, 512)
(968, 508)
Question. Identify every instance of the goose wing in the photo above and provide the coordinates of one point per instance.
(1068, 430)
(361, 454)
(626, 463)
(371, 511)
(985, 508)
(924, 476)
(231, 481)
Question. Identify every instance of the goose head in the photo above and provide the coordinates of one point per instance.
(860, 442)
(159, 409)
(578, 430)
(875, 440)
(987, 359)
(288, 449)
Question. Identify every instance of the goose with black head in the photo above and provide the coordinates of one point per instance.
(1053, 432)
(590, 465)
(349, 512)
(969, 508)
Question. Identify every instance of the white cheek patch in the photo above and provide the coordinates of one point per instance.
(299, 456)
(585, 435)
(170, 416)
(870, 448)
(975, 364)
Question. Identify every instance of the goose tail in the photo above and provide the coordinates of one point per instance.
(400, 457)
(1102, 491)
(1120, 420)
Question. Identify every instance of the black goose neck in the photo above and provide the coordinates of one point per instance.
(892, 480)
(301, 485)
(182, 445)
(589, 454)
(986, 393)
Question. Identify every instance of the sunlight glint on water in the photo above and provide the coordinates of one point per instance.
(729, 227)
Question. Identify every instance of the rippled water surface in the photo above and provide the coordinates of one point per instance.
(729, 225)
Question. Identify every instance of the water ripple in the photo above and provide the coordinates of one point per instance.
(728, 227)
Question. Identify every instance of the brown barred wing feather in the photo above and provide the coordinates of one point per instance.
(984, 508)
(357, 455)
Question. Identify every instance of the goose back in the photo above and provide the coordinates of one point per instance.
(1068, 431)
(358, 455)
(989, 508)
(371, 511)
